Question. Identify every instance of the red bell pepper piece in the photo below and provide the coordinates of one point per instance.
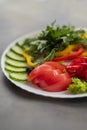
(84, 65)
(79, 61)
(85, 74)
(77, 52)
(74, 70)
(78, 68)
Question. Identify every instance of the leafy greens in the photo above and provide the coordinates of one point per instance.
(55, 38)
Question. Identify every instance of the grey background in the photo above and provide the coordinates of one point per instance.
(20, 110)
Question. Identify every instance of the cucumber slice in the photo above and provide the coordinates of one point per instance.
(18, 76)
(15, 56)
(18, 50)
(17, 64)
(20, 44)
(10, 69)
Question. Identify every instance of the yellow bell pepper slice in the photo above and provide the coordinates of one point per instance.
(29, 59)
(84, 35)
(84, 54)
(66, 51)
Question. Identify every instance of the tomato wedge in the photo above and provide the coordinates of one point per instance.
(50, 76)
(56, 65)
(63, 80)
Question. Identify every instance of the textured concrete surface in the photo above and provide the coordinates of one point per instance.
(20, 110)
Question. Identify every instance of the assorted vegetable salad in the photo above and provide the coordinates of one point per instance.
(54, 60)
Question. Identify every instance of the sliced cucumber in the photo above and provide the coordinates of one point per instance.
(17, 64)
(18, 50)
(20, 44)
(18, 76)
(14, 56)
(11, 69)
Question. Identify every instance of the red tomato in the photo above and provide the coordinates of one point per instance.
(35, 72)
(63, 82)
(56, 65)
(50, 76)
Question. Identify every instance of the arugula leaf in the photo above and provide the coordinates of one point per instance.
(54, 37)
(60, 35)
(47, 58)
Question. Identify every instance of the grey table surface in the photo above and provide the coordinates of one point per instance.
(21, 110)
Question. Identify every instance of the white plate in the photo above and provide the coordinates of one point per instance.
(31, 88)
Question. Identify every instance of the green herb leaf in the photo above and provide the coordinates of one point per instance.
(78, 86)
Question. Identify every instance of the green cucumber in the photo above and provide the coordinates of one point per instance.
(17, 64)
(20, 44)
(15, 56)
(18, 76)
(11, 69)
(18, 50)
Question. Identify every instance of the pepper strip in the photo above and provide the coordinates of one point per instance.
(78, 51)
(66, 51)
(84, 35)
(29, 59)
(74, 70)
(84, 54)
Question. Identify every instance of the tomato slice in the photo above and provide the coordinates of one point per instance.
(50, 76)
(37, 70)
(61, 85)
(46, 66)
(56, 65)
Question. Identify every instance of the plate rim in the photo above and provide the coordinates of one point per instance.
(28, 88)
